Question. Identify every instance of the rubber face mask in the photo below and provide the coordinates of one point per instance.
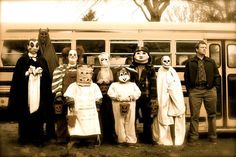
(141, 57)
(43, 36)
(72, 57)
(104, 59)
(124, 75)
(165, 61)
(84, 75)
(33, 46)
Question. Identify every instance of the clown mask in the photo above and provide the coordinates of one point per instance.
(123, 75)
(33, 46)
(72, 57)
(84, 75)
(165, 61)
(141, 56)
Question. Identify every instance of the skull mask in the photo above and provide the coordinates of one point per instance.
(72, 57)
(165, 61)
(33, 46)
(84, 75)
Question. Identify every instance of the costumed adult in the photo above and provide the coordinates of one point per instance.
(146, 81)
(48, 52)
(103, 76)
(63, 76)
(82, 96)
(124, 95)
(169, 125)
(30, 98)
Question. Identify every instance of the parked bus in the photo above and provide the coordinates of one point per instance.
(120, 40)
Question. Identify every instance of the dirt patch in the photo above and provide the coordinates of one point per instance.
(9, 148)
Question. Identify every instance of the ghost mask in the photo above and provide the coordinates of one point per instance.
(104, 59)
(33, 46)
(123, 75)
(72, 57)
(165, 61)
(84, 75)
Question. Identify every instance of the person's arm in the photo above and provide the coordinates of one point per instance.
(186, 77)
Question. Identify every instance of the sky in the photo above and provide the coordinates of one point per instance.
(60, 11)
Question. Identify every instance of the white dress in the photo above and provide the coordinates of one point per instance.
(171, 104)
(87, 122)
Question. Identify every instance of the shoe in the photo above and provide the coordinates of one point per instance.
(154, 143)
(213, 140)
(131, 145)
(192, 140)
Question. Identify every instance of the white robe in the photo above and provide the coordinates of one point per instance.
(124, 125)
(87, 122)
(171, 104)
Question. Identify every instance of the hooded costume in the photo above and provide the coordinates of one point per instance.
(30, 100)
(171, 111)
(48, 50)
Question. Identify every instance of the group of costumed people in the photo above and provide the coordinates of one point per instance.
(102, 105)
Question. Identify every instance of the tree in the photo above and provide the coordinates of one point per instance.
(155, 8)
(90, 16)
(188, 10)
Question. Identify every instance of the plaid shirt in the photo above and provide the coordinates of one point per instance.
(147, 81)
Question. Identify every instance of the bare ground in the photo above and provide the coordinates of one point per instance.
(10, 148)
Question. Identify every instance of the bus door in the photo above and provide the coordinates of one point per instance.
(230, 78)
(216, 52)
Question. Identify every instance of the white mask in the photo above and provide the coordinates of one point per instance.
(165, 61)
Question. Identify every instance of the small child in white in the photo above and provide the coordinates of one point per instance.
(124, 95)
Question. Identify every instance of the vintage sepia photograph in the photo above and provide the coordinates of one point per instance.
(117, 78)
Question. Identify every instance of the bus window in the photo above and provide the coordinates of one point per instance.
(122, 51)
(231, 95)
(158, 46)
(92, 46)
(59, 45)
(184, 51)
(12, 50)
(231, 53)
(214, 51)
(158, 49)
(182, 59)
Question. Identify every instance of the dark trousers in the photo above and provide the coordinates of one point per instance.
(30, 129)
(209, 98)
(144, 104)
(107, 120)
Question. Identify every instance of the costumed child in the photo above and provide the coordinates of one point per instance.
(146, 81)
(81, 97)
(103, 76)
(124, 95)
(63, 76)
(30, 98)
(169, 125)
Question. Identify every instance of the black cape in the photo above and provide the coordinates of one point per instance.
(18, 100)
